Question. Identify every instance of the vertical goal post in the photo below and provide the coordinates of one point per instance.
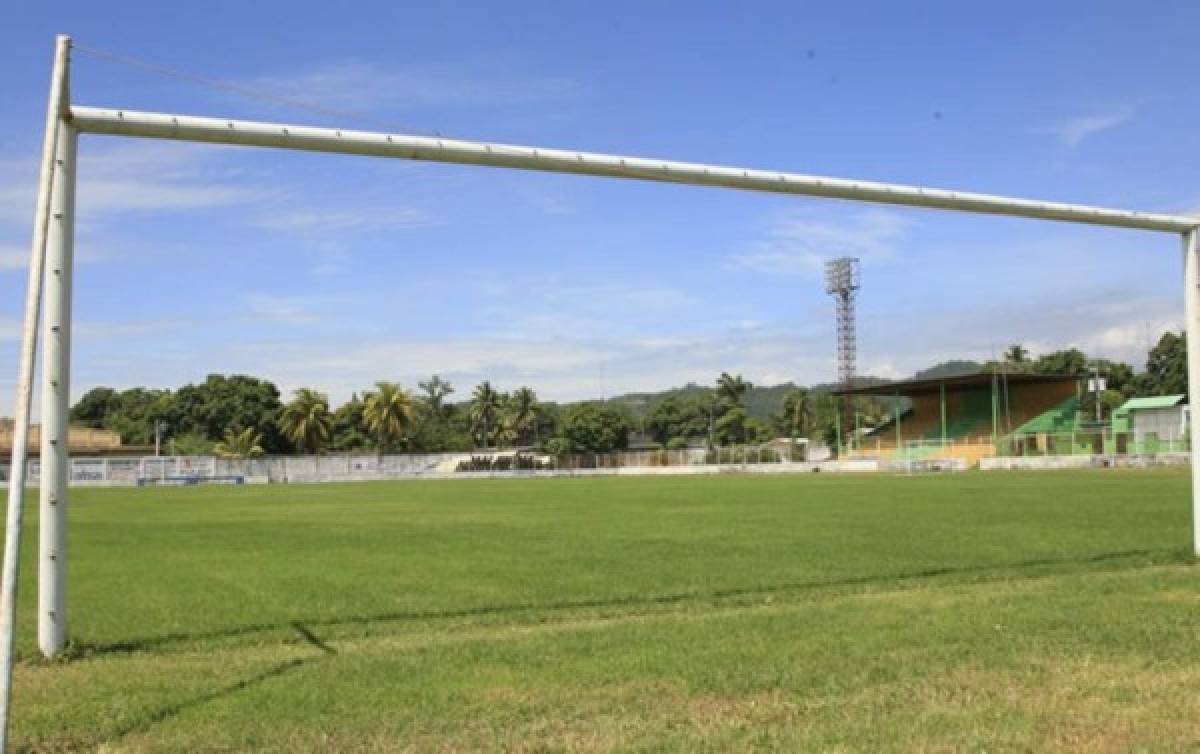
(51, 266)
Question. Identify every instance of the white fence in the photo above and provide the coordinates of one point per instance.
(284, 469)
(132, 471)
(122, 472)
(1015, 463)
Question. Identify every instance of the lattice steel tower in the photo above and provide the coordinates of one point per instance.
(842, 282)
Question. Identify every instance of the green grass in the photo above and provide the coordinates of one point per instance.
(1003, 611)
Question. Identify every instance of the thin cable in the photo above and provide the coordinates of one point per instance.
(248, 92)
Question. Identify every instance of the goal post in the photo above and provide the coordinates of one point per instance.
(56, 117)
(56, 405)
(1191, 302)
(51, 253)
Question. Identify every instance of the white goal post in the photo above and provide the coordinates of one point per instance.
(51, 270)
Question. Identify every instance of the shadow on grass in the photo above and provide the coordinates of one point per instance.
(161, 715)
(312, 638)
(988, 572)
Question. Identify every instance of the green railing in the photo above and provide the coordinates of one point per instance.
(1088, 442)
(1085, 441)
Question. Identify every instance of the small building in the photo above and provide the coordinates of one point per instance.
(81, 441)
(1153, 423)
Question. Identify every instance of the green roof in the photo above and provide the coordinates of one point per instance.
(1155, 401)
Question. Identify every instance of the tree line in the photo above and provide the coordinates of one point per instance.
(1165, 372)
(245, 416)
(241, 416)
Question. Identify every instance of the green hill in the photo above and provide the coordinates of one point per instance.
(764, 401)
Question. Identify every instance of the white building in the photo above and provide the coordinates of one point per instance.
(1162, 418)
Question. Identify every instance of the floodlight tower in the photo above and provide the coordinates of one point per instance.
(842, 281)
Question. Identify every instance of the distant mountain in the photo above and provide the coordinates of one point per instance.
(764, 401)
(952, 368)
(761, 401)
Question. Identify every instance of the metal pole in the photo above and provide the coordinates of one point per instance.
(896, 409)
(1191, 299)
(995, 409)
(250, 133)
(837, 423)
(943, 404)
(56, 386)
(55, 109)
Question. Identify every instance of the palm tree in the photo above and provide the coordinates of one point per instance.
(507, 432)
(240, 444)
(388, 414)
(872, 411)
(797, 411)
(1016, 354)
(306, 420)
(731, 388)
(436, 389)
(523, 407)
(485, 407)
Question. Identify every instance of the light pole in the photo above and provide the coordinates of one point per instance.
(712, 440)
(159, 428)
(1097, 386)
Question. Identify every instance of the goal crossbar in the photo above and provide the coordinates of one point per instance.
(51, 255)
(435, 149)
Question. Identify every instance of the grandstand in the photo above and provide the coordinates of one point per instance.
(967, 417)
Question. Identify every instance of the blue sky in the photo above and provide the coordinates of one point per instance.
(336, 271)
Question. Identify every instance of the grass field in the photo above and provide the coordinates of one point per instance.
(980, 611)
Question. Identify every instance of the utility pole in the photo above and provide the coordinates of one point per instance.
(1098, 386)
(159, 428)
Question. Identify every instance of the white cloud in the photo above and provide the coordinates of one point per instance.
(341, 220)
(292, 310)
(370, 87)
(547, 202)
(799, 242)
(548, 307)
(144, 176)
(1073, 131)
(13, 257)
(559, 369)
(589, 363)
(135, 176)
(1110, 323)
(10, 328)
(889, 369)
(93, 331)
(141, 195)
(326, 269)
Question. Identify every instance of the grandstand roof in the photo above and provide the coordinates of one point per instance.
(957, 382)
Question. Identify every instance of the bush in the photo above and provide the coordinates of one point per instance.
(556, 446)
(595, 428)
(191, 444)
